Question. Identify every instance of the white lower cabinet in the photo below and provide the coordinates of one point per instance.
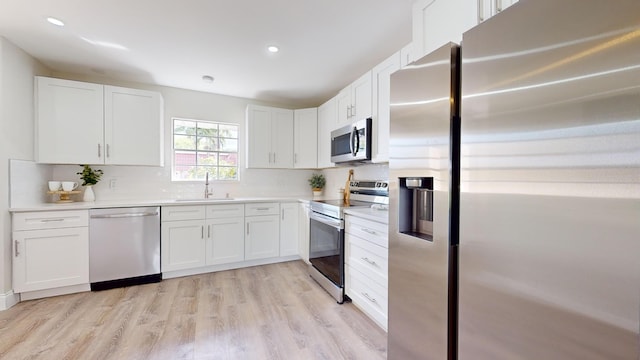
(225, 234)
(50, 250)
(366, 266)
(288, 229)
(183, 244)
(262, 226)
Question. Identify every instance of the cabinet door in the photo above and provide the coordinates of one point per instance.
(305, 138)
(382, 99)
(259, 152)
(262, 237)
(69, 119)
(282, 138)
(327, 115)
(361, 97)
(183, 245)
(433, 26)
(133, 127)
(45, 259)
(344, 109)
(225, 240)
(288, 229)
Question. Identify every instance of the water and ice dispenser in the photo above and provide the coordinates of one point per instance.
(415, 207)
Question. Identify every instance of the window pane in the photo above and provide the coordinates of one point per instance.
(228, 159)
(184, 158)
(207, 143)
(184, 142)
(229, 131)
(184, 127)
(228, 173)
(207, 129)
(229, 145)
(207, 158)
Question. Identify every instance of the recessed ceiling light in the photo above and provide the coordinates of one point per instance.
(273, 48)
(207, 78)
(54, 21)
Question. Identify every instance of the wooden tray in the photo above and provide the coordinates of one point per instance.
(64, 195)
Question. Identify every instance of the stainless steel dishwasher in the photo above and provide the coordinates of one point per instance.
(124, 247)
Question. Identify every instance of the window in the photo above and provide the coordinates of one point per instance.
(201, 147)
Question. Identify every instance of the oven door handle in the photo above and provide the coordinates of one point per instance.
(327, 220)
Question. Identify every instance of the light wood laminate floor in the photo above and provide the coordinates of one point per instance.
(264, 312)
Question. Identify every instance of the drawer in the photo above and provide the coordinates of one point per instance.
(369, 296)
(50, 219)
(262, 209)
(224, 211)
(175, 213)
(369, 258)
(375, 232)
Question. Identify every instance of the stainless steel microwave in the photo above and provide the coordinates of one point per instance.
(352, 142)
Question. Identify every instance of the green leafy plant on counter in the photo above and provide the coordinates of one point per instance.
(89, 176)
(317, 181)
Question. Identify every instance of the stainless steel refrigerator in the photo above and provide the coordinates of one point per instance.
(550, 190)
(549, 223)
(424, 146)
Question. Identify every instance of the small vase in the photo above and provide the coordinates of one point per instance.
(88, 193)
(317, 193)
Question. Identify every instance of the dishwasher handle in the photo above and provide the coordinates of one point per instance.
(124, 215)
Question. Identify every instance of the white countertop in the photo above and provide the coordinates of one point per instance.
(80, 205)
(369, 213)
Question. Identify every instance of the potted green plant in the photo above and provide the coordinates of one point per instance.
(317, 182)
(89, 178)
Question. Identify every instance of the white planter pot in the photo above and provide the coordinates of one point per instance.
(88, 194)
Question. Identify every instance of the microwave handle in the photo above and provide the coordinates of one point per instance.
(354, 141)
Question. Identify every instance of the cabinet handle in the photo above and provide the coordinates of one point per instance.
(373, 300)
(108, 152)
(282, 211)
(202, 232)
(209, 231)
(295, 158)
(262, 209)
(369, 261)
(15, 247)
(52, 220)
(274, 158)
(480, 11)
(99, 150)
(247, 229)
(369, 231)
(498, 6)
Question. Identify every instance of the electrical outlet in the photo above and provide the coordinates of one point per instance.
(112, 184)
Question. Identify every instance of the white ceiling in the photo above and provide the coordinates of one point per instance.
(325, 44)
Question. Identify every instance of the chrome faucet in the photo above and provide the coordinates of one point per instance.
(206, 186)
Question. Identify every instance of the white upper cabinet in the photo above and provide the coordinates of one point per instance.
(355, 101)
(381, 101)
(305, 138)
(132, 127)
(437, 22)
(327, 120)
(69, 122)
(84, 123)
(269, 137)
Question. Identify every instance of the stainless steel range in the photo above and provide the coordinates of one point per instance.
(326, 238)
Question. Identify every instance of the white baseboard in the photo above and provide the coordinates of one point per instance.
(223, 267)
(8, 299)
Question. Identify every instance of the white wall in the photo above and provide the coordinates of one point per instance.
(17, 70)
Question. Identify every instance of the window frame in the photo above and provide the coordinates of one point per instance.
(197, 151)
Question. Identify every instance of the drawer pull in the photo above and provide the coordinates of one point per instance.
(369, 261)
(369, 231)
(15, 247)
(366, 295)
(262, 209)
(52, 220)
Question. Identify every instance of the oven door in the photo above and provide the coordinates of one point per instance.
(326, 246)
